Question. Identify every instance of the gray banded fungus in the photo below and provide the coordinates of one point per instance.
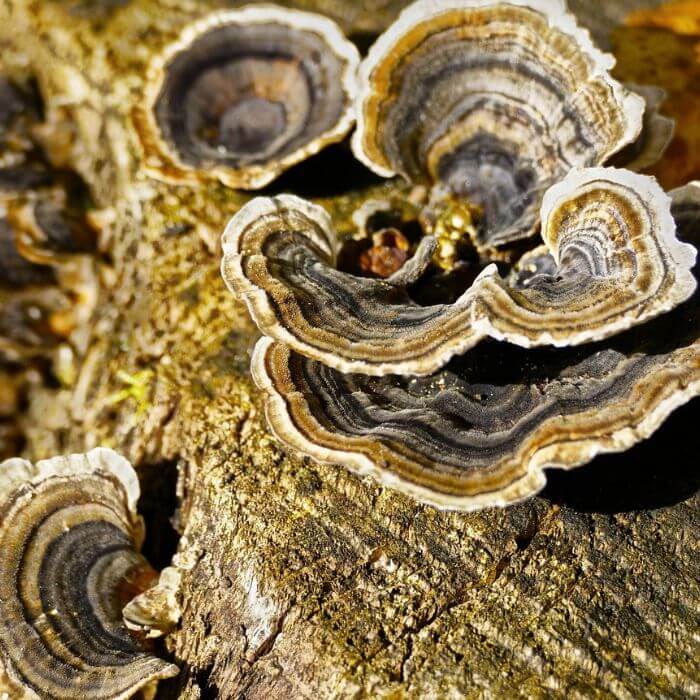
(493, 101)
(70, 538)
(616, 262)
(481, 431)
(244, 94)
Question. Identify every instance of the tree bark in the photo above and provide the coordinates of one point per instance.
(302, 580)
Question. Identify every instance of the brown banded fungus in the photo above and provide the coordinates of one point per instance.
(21, 166)
(244, 94)
(70, 538)
(16, 271)
(493, 102)
(31, 304)
(481, 431)
(155, 612)
(615, 263)
(48, 277)
(48, 231)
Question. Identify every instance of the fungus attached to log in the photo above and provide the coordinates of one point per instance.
(48, 277)
(31, 322)
(244, 94)
(48, 230)
(474, 435)
(615, 263)
(21, 167)
(48, 280)
(16, 271)
(70, 538)
(481, 431)
(494, 101)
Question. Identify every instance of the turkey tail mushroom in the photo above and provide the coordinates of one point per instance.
(244, 94)
(492, 101)
(615, 263)
(481, 431)
(655, 137)
(70, 538)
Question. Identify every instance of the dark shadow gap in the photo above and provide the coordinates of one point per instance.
(659, 472)
(158, 505)
(332, 172)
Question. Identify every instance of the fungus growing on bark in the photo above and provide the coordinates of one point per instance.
(244, 94)
(473, 435)
(31, 304)
(17, 271)
(20, 166)
(155, 612)
(70, 537)
(481, 431)
(48, 231)
(615, 263)
(48, 277)
(48, 280)
(494, 102)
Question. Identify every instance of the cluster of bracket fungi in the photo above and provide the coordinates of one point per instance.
(506, 113)
(462, 402)
(578, 331)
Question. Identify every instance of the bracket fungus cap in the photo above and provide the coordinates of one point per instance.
(70, 537)
(616, 263)
(244, 94)
(16, 271)
(48, 279)
(464, 438)
(481, 431)
(495, 101)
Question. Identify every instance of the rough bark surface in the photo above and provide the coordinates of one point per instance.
(302, 580)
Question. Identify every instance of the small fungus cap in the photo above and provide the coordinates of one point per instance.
(70, 537)
(493, 101)
(244, 94)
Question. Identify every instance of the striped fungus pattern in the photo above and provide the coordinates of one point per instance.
(573, 352)
(70, 537)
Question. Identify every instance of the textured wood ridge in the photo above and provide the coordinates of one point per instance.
(299, 580)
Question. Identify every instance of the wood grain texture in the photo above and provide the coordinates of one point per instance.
(303, 581)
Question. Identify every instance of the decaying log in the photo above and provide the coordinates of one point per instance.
(301, 580)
